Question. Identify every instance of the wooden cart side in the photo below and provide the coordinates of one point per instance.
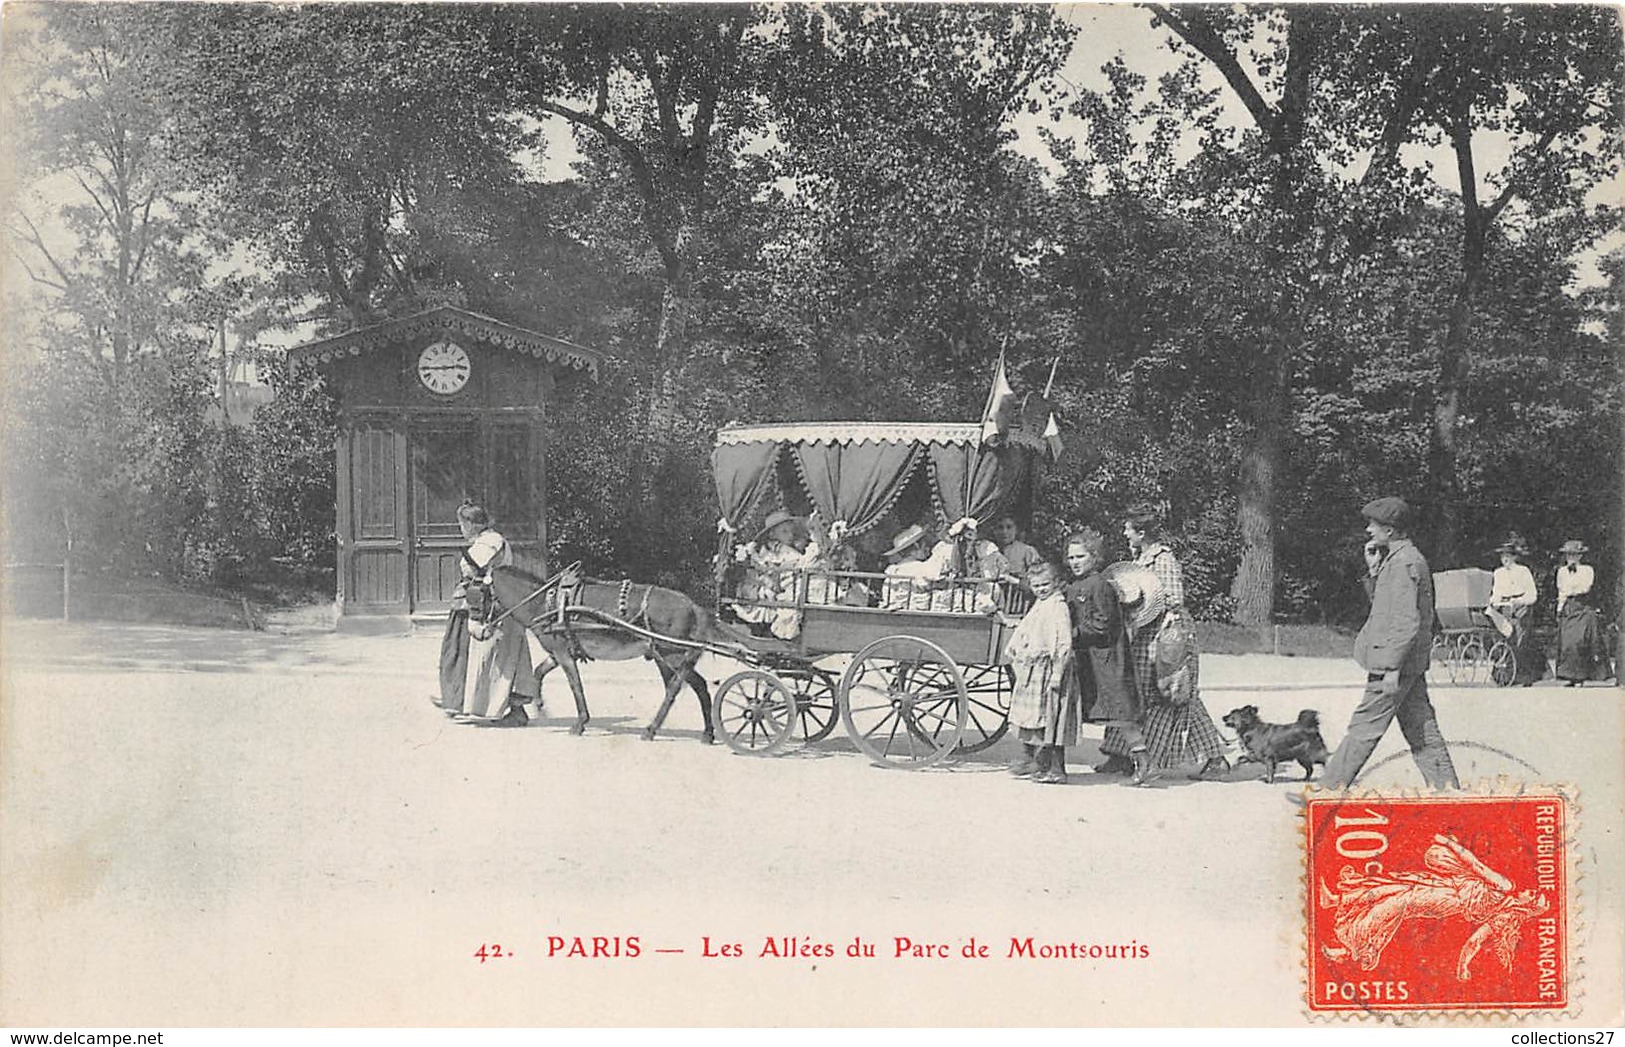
(970, 639)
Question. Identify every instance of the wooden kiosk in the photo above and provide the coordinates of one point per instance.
(435, 408)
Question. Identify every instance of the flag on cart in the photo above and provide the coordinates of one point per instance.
(1052, 437)
(999, 416)
(1052, 428)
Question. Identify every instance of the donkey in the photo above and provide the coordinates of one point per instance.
(665, 612)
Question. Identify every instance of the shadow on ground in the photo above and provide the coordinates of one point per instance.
(108, 647)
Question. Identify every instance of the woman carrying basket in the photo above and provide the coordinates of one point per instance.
(1178, 728)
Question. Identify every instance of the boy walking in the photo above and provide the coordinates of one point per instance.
(1393, 649)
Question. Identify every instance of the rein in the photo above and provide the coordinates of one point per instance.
(620, 621)
(551, 583)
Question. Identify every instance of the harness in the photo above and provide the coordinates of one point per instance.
(565, 596)
(621, 608)
(625, 619)
(623, 611)
(477, 588)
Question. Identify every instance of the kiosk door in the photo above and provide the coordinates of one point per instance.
(446, 469)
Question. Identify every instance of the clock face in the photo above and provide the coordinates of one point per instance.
(444, 367)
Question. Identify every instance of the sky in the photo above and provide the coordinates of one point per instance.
(1106, 30)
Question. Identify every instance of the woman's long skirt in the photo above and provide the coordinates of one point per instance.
(497, 667)
(1106, 684)
(453, 661)
(1531, 658)
(1581, 653)
(1176, 733)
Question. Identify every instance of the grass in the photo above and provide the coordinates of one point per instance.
(103, 597)
(1292, 641)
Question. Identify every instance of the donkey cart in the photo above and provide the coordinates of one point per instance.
(925, 676)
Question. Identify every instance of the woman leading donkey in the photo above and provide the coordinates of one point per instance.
(579, 619)
(485, 669)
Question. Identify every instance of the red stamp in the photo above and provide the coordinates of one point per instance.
(1438, 904)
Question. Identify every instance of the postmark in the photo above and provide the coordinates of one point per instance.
(1455, 904)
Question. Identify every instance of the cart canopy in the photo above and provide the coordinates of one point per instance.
(853, 472)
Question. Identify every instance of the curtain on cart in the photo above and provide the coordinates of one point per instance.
(979, 482)
(743, 472)
(853, 482)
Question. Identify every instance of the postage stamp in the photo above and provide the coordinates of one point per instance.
(1438, 904)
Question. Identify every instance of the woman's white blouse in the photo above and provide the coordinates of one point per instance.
(1513, 585)
(1573, 582)
(488, 549)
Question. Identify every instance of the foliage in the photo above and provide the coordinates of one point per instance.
(289, 477)
(824, 212)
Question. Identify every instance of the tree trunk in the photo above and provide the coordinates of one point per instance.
(1444, 494)
(1292, 189)
(1455, 362)
(671, 353)
(659, 407)
(1253, 588)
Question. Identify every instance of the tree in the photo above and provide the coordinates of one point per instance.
(111, 446)
(336, 142)
(1549, 81)
(102, 230)
(1315, 101)
(909, 224)
(1283, 166)
(669, 92)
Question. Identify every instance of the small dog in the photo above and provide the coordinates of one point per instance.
(1276, 743)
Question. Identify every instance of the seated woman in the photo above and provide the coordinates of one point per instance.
(825, 584)
(775, 564)
(915, 569)
(969, 556)
(1582, 653)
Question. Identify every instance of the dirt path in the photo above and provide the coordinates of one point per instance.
(286, 832)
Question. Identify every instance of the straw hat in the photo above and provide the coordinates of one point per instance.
(1514, 545)
(774, 519)
(906, 539)
(1138, 591)
(1573, 545)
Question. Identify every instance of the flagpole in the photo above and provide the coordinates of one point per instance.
(993, 387)
(1051, 383)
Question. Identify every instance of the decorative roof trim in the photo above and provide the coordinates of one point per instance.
(454, 321)
(853, 433)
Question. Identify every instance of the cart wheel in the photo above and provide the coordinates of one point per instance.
(987, 710)
(754, 712)
(816, 711)
(903, 702)
(1503, 662)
